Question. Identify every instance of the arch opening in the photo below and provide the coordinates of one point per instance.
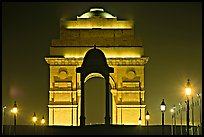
(95, 100)
(95, 90)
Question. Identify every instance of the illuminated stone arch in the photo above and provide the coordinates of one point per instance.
(95, 61)
(123, 52)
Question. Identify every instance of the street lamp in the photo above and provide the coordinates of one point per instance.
(34, 121)
(15, 110)
(199, 97)
(163, 107)
(174, 126)
(147, 117)
(180, 110)
(43, 122)
(192, 107)
(3, 115)
(188, 93)
(172, 119)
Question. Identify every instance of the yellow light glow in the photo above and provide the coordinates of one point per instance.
(118, 56)
(43, 121)
(188, 91)
(108, 56)
(140, 122)
(96, 9)
(66, 56)
(199, 95)
(104, 27)
(15, 110)
(172, 110)
(106, 15)
(147, 117)
(34, 119)
(92, 13)
(188, 88)
(106, 24)
(163, 107)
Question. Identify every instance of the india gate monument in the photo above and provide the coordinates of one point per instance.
(109, 50)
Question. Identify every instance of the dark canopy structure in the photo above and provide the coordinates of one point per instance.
(95, 62)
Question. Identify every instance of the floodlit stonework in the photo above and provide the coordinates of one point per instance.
(123, 52)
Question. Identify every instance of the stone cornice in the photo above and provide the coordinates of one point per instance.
(61, 61)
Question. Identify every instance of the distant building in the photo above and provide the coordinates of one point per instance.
(123, 52)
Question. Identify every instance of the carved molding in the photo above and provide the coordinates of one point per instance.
(57, 61)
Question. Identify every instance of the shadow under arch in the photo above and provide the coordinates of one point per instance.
(112, 86)
(95, 62)
(94, 97)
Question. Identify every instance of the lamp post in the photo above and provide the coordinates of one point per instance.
(174, 126)
(34, 121)
(163, 107)
(15, 110)
(200, 107)
(43, 120)
(147, 119)
(188, 93)
(172, 119)
(3, 115)
(192, 107)
(180, 108)
(199, 96)
(43, 123)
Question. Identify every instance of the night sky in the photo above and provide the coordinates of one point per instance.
(171, 34)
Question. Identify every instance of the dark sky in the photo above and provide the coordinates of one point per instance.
(171, 34)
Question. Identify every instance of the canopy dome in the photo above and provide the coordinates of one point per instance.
(95, 57)
(94, 62)
(96, 12)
